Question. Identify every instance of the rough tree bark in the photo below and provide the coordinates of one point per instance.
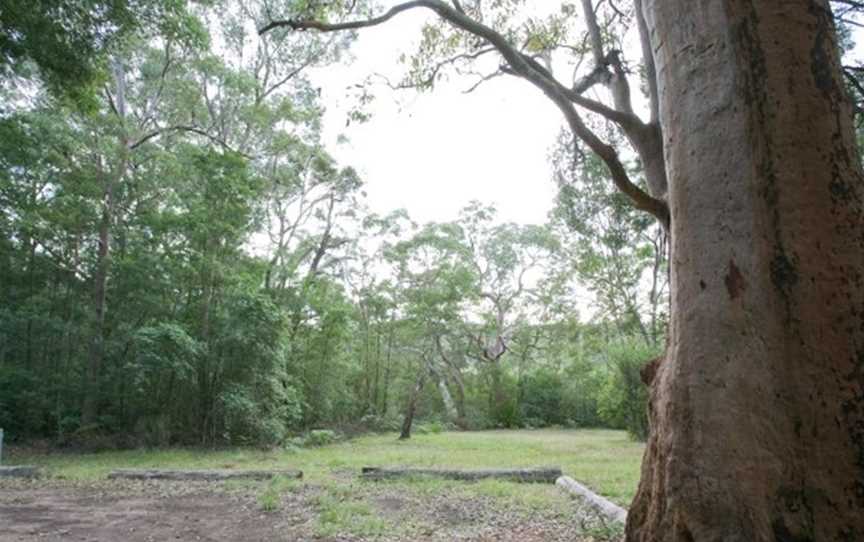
(757, 410)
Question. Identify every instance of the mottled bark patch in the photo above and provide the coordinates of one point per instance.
(821, 65)
(853, 413)
(795, 522)
(784, 275)
(840, 189)
(783, 534)
(735, 282)
(686, 535)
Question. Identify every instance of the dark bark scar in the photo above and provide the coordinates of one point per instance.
(735, 283)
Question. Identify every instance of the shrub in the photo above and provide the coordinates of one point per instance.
(320, 437)
(540, 398)
(434, 427)
(377, 423)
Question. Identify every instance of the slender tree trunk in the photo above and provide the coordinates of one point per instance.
(377, 381)
(446, 397)
(411, 407)
(757, 410)
(497, 398)
(31, 293)
(388, 365)
(462, 420)
(97, 340)
(206, 393)
(89, 408)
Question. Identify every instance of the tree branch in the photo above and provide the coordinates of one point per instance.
(351, 25)
(527, 68)
(648, 61)
(191, 129)
(617, 81)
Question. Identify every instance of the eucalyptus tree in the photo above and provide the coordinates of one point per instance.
(509, 262)
(98, 207)
(370, 282)
(256, 106)
(436, 285)
(69, 41)
(617, 253)
(47, 203)
(757, 411)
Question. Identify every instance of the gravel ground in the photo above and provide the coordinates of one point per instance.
(133, 511)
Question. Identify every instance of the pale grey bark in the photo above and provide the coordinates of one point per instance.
(600, 504)
(446, 396)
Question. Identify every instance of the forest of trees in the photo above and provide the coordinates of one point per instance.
(183, 262)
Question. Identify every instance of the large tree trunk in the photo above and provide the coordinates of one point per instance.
(757, 410)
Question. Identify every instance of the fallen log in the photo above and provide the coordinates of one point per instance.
(23, 471)
(601, 505)
(541, 475)
(201, 475)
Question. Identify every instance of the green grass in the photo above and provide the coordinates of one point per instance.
(340, 514)
(607, 461)
(269, 499)
(270, 496)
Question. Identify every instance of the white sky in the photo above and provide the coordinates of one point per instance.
(432, 153)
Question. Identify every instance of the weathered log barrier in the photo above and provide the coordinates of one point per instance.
(201, 475)
(601, 505)
(546, 475)
(23, 471)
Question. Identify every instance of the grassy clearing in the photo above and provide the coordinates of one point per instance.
(607, 461)
(331, 500)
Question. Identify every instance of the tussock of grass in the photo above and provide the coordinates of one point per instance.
(337, 515)
(269, 499)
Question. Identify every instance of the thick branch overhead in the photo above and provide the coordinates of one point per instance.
(526, 67)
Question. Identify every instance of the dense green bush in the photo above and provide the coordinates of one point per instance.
(320, 437)
(541, 395)
(503, 398)
(432, 426)
(24, 407)
(582, 382)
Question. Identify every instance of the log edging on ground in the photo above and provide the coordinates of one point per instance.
(20, 471)
(216, 475)
(547, 475)
(600, 504)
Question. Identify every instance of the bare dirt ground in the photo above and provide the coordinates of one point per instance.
(112, 511)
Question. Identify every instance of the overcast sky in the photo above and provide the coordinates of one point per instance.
(432, 153)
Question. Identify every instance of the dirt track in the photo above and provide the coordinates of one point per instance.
(86, 514)
(139, 512)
